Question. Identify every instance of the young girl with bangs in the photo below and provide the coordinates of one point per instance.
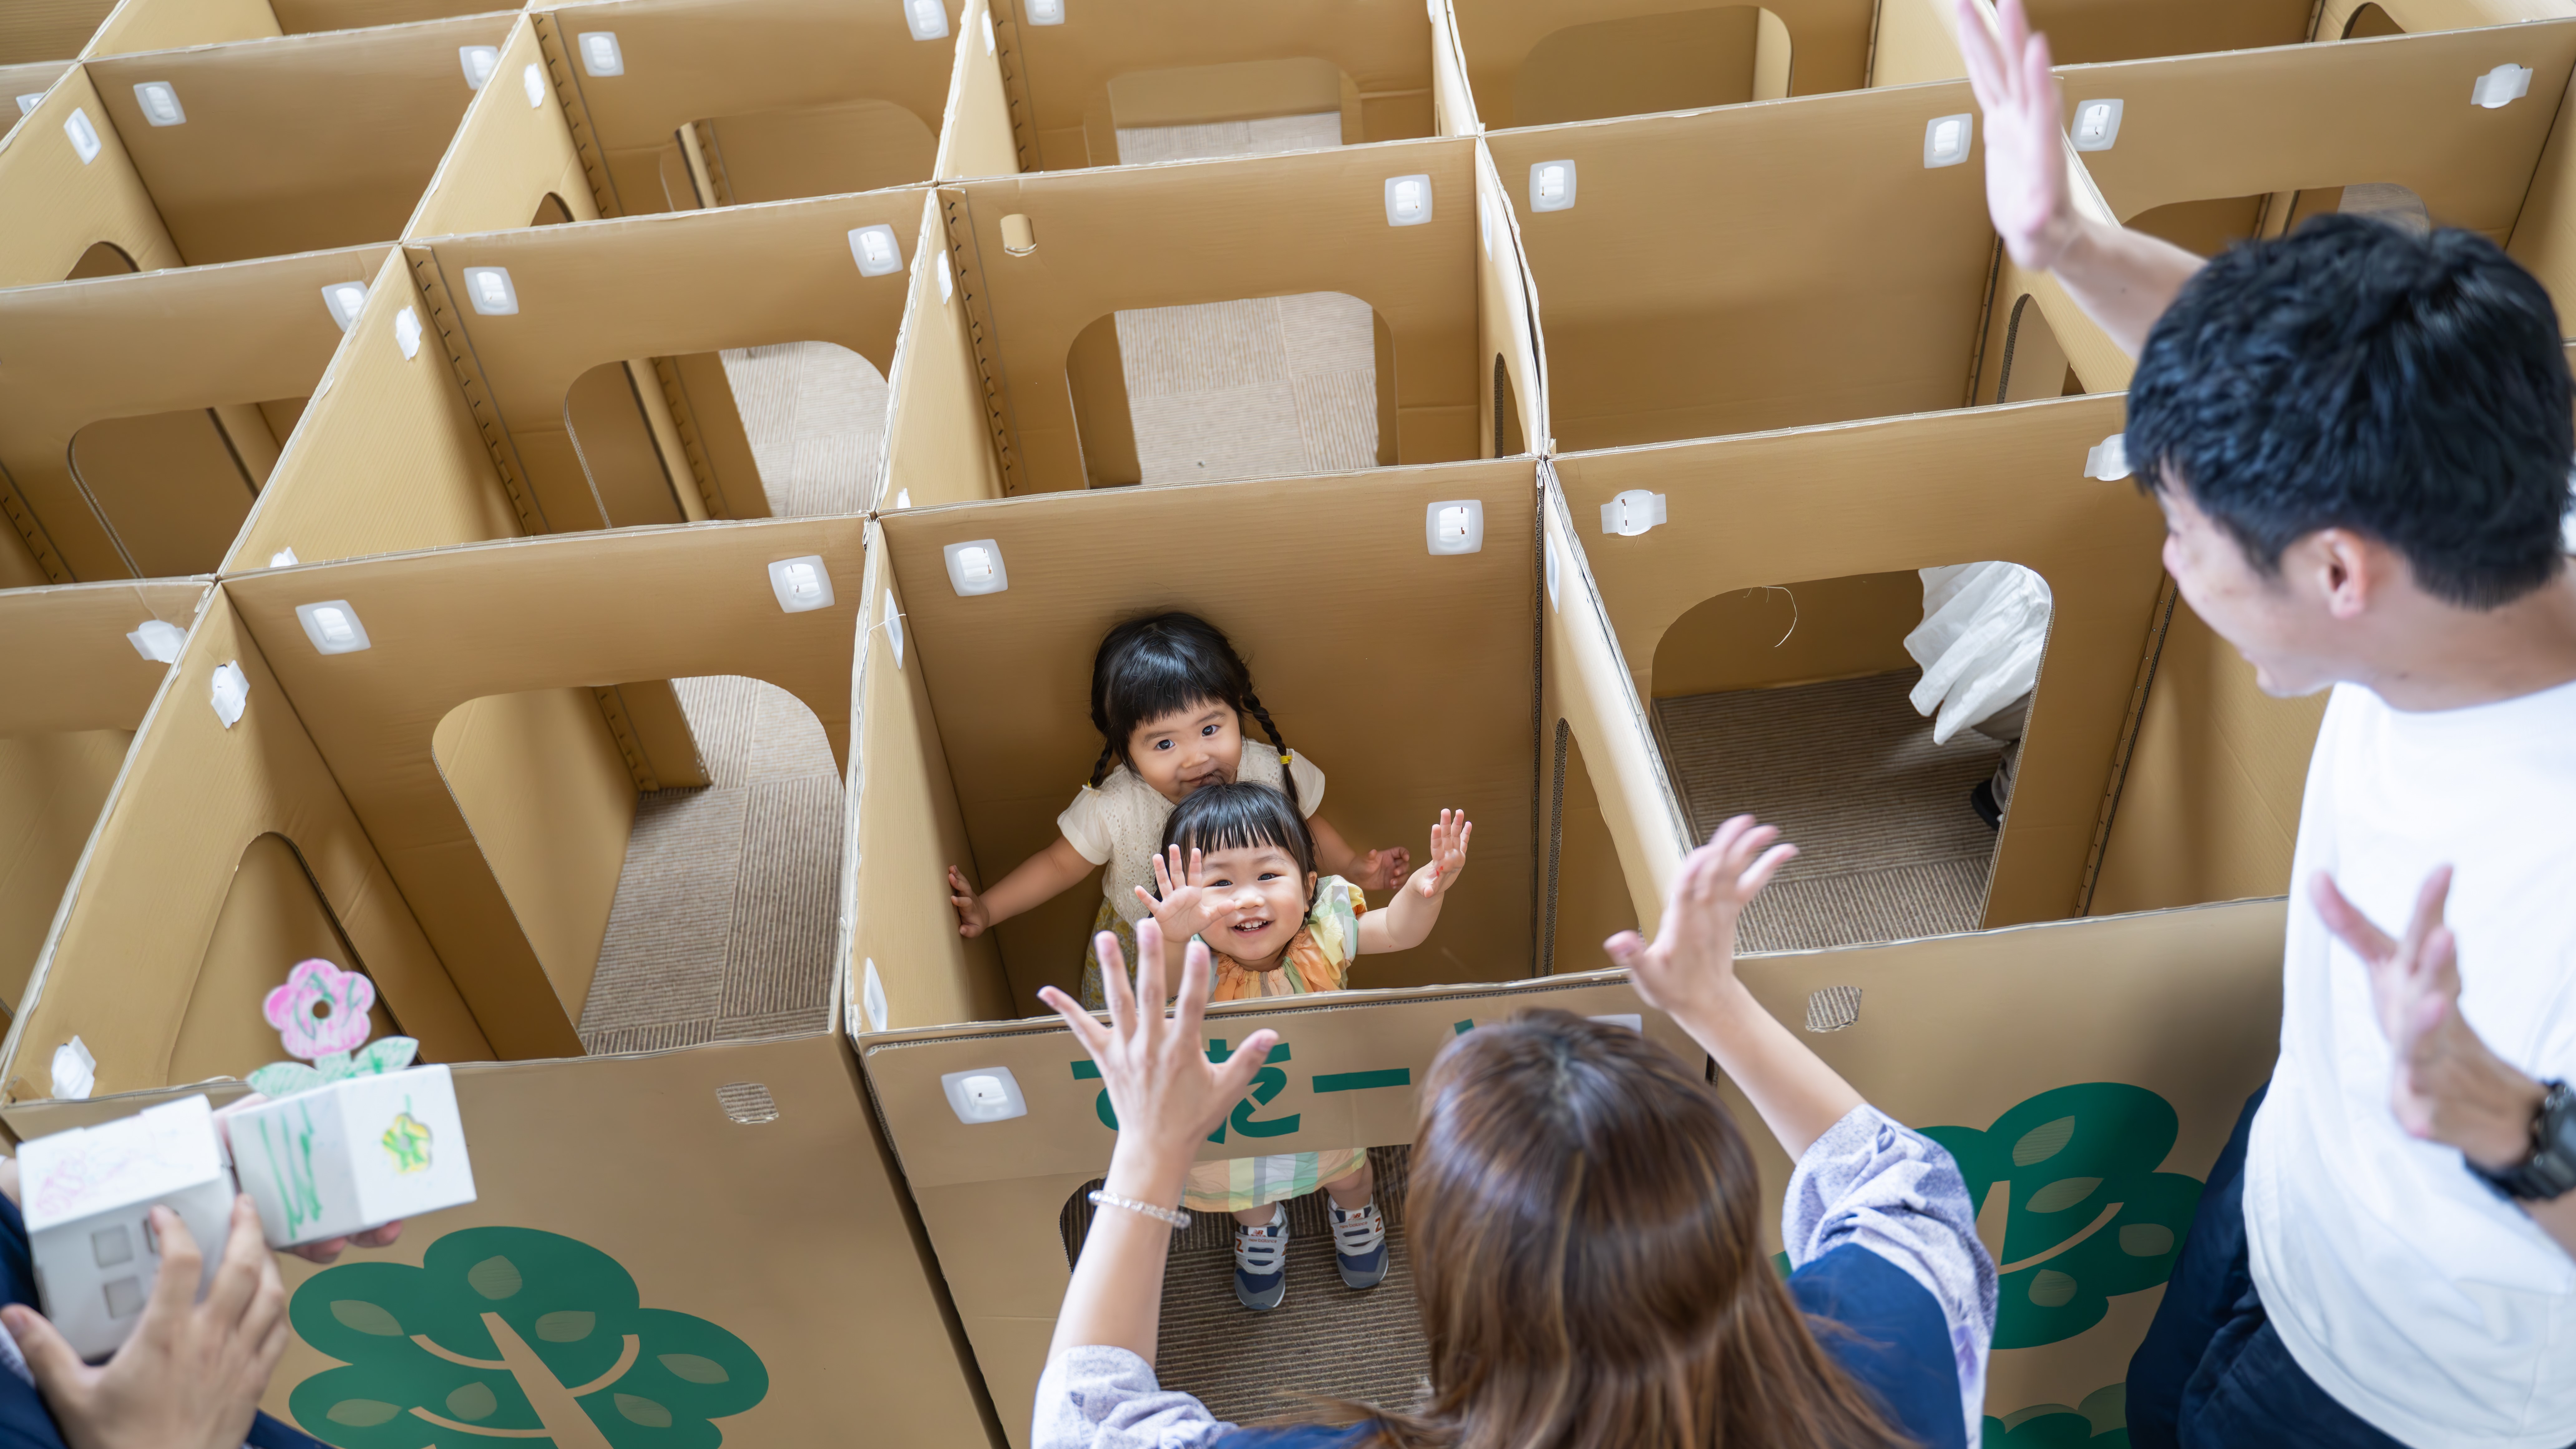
(1584, 1225)
(1238, 876)
(1169, 696)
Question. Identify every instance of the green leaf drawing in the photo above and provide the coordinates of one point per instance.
(512, 1334)
(2100, 1422)
(2089, 1216)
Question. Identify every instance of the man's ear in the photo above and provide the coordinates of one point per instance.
(2347, 570)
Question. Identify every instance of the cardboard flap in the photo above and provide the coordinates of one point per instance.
(68, 662)
(296, 143)
(1910, 493)
(61, 204)
(1193, 232)
(1350, 625)
(1702, 283)
(2396, 110)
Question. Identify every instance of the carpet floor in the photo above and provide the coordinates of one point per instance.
(1323, 1342)
(1888, 848)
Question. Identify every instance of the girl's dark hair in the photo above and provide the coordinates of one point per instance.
(1582, 1225)
(1233, 816)
(1151, 667)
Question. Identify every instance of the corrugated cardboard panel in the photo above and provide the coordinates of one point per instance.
(991, 1192)
(691, 61)
(296, 143)
(58, 206)
(49, 29)
(1063, 73)
(2360, 19)
(396, 425)
(1309, 587)
(1710, 279)
(2210, 808)
(299, 17)
(2395, 110)
(78, 690)
(975, 138)
(513, 874)
(2155, 1027)
(1273, 226)
(131, 347)
(32, 78)
(789, 1230)
(1911, 493)
(1829, 44)
(1512, 412)
(2081, 32)
(903, 816)
(141, 25)
(508, 156)
(121, 965)
(1589, 693)
(939, 444)
(660, 287)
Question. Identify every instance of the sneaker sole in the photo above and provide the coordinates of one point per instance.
(1262, 1302)
(1360, 1278)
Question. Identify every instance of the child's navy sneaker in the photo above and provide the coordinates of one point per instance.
(1261, 1262)
(1359, 1246)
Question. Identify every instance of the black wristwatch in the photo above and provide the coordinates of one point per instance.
(2550, 1170)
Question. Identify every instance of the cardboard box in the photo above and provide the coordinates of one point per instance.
(140, 25)
(355, 1154)
(733, 1201)
(86, 665)
(140, 416)
(292, 144)
(88, 1195)
(1044, 265)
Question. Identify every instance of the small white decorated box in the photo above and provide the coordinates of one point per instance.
(88, 1196)
(353, 1154)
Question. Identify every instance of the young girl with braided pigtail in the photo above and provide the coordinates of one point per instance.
(1168, 695)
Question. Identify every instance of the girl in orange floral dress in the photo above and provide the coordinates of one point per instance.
(1249, 889)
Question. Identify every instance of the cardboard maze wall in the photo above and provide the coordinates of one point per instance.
(252, 149)
(708, 1242)
(1116, 327)
(141, 416)
(86, 664)
(468, 866)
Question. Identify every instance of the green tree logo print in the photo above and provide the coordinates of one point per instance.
(512, 1334)
(2089, 1215)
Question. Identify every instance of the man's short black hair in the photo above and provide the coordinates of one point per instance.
(2353, 375)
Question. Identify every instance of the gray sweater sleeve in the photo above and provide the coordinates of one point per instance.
(1107, 1398)
(1872, 1182)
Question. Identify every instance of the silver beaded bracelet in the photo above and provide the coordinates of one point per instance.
(1173, 1216)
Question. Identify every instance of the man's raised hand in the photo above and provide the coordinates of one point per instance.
(2027, 190)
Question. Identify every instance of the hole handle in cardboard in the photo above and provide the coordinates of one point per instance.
(1454, 525)
(984, 1094)
(599, 53)
(342, 300)
(1946, 139)
(83, 135)
(1408, 200)
(2097, 125)
(478, 62)
(802, 584)
(1551, 186)
(491, 291)
(926, 19)
(975, 567)
(160, 103)
(1632, 513)
(876, 251)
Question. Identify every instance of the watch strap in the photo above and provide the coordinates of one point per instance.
(2550, 1171)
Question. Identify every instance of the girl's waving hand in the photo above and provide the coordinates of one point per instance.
(1448, 854)
(1408, 918)
(1187, 906)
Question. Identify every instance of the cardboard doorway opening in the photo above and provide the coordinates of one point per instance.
(1212, 392)
(810, 415)
(173, 488)
(1798, 703)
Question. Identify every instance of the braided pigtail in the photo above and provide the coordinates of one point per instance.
(1287, 776)
(1100, 771)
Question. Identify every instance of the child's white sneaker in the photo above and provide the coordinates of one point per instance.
(1359, 1245)
(1261, 1262)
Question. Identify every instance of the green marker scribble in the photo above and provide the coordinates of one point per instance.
(292, 1171)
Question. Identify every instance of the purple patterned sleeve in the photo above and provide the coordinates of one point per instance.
(1107, 1398)
(1873, 1182)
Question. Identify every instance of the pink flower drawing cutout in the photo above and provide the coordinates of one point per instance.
(340, 1024)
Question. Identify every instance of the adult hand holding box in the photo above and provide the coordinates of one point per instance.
(88, 1196)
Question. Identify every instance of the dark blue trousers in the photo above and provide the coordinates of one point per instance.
(2213, 1373)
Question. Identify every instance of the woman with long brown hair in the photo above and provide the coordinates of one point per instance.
(1582, 1224)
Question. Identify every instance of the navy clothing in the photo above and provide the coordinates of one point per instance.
(1888, 1333)
(1298, 1436)
(2212, 1372)
(24, 1421)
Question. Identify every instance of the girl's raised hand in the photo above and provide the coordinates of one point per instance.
(1166, 1092)
(972, 918)
(1185, 907)
(1448, 854)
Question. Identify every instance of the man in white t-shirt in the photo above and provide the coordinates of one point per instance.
(2361, 440)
